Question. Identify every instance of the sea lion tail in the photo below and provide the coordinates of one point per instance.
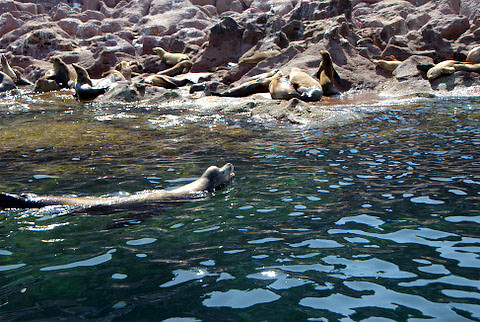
(14, 201)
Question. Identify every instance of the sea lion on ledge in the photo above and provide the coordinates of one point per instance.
(327, 75)
(212, 179)
(84, 90)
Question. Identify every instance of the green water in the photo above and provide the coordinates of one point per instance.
(377, 218)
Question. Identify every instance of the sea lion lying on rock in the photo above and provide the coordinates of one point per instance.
(170, 59)
(388, 65)
(309, 88)
(166, 81)
(258, 57)
(281, 88)
(473, 55)
(212, 179)
(181, 67)
(449, 67)
(328, 75)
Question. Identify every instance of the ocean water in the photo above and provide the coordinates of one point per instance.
(368, 218)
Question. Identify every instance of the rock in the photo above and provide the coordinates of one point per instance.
(8, 23)
(451, 26)
(413, 68)
(455, 81)
(120, 92)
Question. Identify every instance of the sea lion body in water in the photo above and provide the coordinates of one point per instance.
(170, 59)
(84, 89)
(213, 178)
(327, 75)
(17, 78)
(61, 73)
(309, 88)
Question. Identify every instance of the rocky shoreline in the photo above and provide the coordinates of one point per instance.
(216, 34)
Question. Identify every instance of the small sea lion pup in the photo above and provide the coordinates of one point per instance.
(16, 77)
(280, 88)
(212, 179)
(84, 89)
(327, 75)
(170, 59)
(388, 65)
(61, 73)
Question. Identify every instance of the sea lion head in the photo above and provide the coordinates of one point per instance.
(219, 177)
(159, 51)
(82, 75)
(326, 59)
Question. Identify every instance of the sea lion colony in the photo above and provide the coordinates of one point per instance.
(297, 84)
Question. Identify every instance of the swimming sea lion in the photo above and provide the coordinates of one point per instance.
(181, 67)
(327, 75)
(17, 78)
(62, 74)
(212, 179)
(473, 55)
(170, 59)
(388, 65)
(309, 88)
(166, 81)
(84, 90)
(6, 83)
(258, 57)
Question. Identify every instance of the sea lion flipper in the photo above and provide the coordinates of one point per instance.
(337, 78)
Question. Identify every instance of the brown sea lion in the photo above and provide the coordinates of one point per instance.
(253, 86)
(84, 89)
(61, 73)
(388, 65)
(181, 67)
(170, 59)
(212, 179)
(17, 78)
(306, 85)
(134, 65)
(327, 75)
(467, 67)
(258, 57)
(166, 81)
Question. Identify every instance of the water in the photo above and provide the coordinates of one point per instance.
(369, 219)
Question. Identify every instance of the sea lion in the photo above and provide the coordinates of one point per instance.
(170, 59)
(61, 73)
(212, 179)
(84, 89)
(17, 78)
(473, 55)
(467, 67)
(166, 81)
(181, 67)
(388, 65)
(309, 88)
(258, 57)
(443, 68)
(6, 83)
(327, 75)
(281, 88)
(134, 65)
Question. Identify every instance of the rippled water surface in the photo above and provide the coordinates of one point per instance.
(366, 219)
